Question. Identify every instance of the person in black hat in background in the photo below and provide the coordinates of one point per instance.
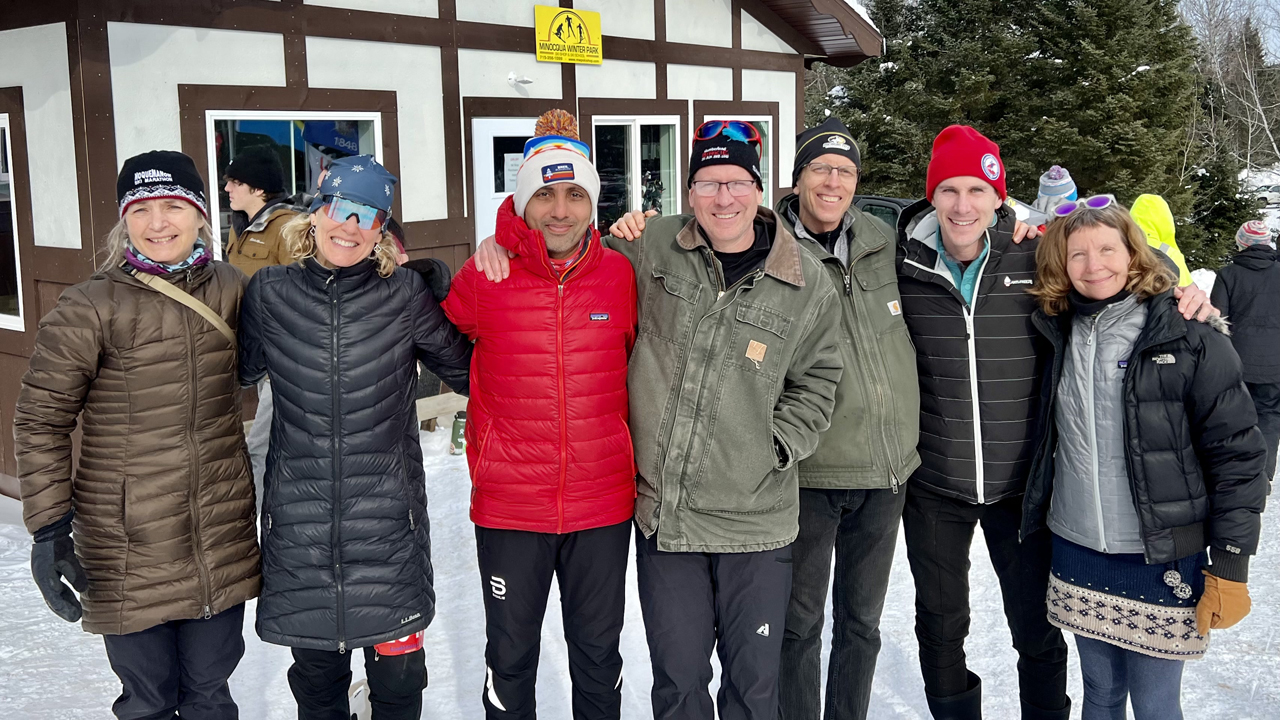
(260, 209)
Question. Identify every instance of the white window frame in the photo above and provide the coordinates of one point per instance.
(635, 121)
(211, 146)
(17, 322)
(773, 161)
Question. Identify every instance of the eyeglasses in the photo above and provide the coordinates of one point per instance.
(848, 173)
(711, 188)
(367, 217)
(1093, 202)
(732, 129)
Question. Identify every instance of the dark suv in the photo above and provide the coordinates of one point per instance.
(885, 208)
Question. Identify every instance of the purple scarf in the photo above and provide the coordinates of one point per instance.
(200, 255)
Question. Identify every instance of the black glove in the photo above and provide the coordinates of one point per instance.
(435, 272)
(53, 557)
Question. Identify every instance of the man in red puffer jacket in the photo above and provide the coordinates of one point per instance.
(552, 472)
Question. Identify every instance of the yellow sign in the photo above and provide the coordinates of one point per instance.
(567, 36)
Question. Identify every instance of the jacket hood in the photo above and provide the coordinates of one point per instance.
(1152, 214)
(529, 245)
(1256, 257)
(918, 231)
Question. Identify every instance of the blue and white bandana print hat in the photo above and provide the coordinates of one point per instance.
(359, 178)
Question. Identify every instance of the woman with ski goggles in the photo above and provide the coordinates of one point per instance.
(344, 512)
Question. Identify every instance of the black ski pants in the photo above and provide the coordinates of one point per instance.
(321, 683)
(861, 528)
(939, 531)
(515, 572)
(178, 668)
(1266, 400)
(734, 603)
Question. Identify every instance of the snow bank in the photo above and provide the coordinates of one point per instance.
(51, 670)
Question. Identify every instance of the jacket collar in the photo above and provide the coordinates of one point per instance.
(857, 231)
(346, 277)
(1255, 257)
(784, 261)
(186, 279)
(531, 248)
(269, 213)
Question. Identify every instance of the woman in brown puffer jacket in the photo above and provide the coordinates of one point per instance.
(161, 502)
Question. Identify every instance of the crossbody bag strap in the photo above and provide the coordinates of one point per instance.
(164, 287)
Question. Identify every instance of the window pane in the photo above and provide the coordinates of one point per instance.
(304, 146)
(658, 168)
(613, 162)
(8, 232)
(508, 153)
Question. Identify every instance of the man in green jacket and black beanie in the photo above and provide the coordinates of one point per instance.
(851, 497)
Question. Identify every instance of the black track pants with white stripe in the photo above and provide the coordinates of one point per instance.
(516, 568)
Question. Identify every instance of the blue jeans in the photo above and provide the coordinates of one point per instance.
(1112, 674)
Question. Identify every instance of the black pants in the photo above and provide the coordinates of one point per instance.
(321, 680)
(733, 602)
(939, 531)
(180, 667)
(861, 527)
(515, 573)
(1266, 399)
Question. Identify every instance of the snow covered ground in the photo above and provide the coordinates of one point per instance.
(50, 669)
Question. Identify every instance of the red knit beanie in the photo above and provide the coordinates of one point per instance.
(961, 151)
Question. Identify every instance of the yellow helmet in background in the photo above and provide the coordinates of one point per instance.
(1152, 214)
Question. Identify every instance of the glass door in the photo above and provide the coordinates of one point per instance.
(497, 149)
(638, 164)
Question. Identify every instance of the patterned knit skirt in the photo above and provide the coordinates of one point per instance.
(1119, 599)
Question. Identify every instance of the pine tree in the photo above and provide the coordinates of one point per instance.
(1104, 87)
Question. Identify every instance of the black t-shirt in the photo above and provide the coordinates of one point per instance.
(738, 265)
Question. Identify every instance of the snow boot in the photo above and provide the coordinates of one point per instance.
(964, 706)
(1031, 712)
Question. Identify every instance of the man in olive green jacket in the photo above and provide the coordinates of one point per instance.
(732, 378)
(851, 498)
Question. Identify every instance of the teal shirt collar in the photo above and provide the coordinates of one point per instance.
(966, 279)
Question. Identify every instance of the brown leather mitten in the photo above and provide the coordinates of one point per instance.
(1223, 604)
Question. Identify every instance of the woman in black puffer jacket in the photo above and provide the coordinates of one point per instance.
(347, 555)
(1150, 455)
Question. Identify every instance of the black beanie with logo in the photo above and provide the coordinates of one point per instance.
(160, 174)
(829, 138)
(721, 150)
(258, 166)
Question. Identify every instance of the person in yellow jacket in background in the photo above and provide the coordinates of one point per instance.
(1152, 214)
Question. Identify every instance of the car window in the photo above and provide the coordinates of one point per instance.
(887, 213)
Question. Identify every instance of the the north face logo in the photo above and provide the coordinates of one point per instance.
(763, 630)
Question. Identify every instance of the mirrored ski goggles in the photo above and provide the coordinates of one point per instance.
(367, 217)
(732, 129)
(1093, 202)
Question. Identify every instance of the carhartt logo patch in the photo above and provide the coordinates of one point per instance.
(895, 307)
(756, 351)
(1164, 359)
(1010, 281)
(599, 316)
(763, 630)
(557, 172)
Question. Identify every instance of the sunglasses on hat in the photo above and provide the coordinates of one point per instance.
(367, 217)
(730, 129)
(1093, 202)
